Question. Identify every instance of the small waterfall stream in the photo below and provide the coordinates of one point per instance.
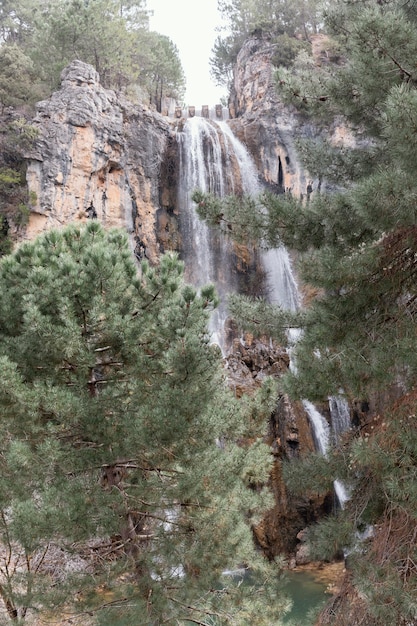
(341, 423)
(340, 416)
(321, 428)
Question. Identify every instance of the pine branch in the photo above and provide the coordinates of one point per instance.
(195, 609)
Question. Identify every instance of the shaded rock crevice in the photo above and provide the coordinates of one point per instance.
(261, 120)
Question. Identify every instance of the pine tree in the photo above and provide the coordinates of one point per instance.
(116, 501)
(357, 250)
(40, 38)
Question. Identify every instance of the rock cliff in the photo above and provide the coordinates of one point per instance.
(262, 121)
(97, 156)
(289, 434)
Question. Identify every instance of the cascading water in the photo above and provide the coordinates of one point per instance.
(208, 256)
(321, 428)
(340, 417)
(341, 423)
(323, 434)
(210, 153)
(213, 160)
(282, 288)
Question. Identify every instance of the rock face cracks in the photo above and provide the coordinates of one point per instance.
(262, 121)
(97, 157)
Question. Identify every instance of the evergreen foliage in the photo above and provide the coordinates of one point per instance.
(16, 136)
(115, 498)
(285, 21)
(39, 38)
(160, 73)
(357, 253)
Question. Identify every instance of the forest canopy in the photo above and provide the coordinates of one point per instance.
(39, 38)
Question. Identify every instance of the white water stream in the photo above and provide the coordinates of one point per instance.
(204, 165)
(341, 423)
(282, 288)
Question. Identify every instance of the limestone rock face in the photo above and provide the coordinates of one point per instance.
(262, 121)
(268, 126)
(97, 156)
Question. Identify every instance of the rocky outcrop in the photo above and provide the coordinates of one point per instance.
(289, 435)
(262, 121)
(97, 156)
(268, 126)
(250, 361)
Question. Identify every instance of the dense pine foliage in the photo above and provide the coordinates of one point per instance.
(357, 250)
(288, 23)
(124, 494)
(39, 38)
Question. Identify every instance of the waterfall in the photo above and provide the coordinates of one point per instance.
(209, 155)
(321, 429)
(322, 434)
(214, 161)
(340, 416)
(281, 286)
(342, 492)
(340, 420)
(208, 255)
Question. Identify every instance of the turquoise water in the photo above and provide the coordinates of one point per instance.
(307, 595)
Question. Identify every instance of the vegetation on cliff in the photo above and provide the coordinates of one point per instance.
(16, 136)
(40, 38)
(124, 496)
(357, 250)
(289, 24)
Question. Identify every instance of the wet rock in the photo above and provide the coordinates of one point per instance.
(251, 361)
(289, 436)
(302, 556)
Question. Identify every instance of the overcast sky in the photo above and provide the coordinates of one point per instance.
(191, 26)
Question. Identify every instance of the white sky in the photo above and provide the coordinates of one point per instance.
(191, 24)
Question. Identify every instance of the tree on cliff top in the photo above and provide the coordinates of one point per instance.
(357, 247)
(114, 498)
(40, 38)
(285, 22)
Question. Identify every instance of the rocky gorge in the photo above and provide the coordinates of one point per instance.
(99, 156)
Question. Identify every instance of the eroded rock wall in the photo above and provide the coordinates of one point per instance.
(289, 435)
(262, 121)
(97, 157)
